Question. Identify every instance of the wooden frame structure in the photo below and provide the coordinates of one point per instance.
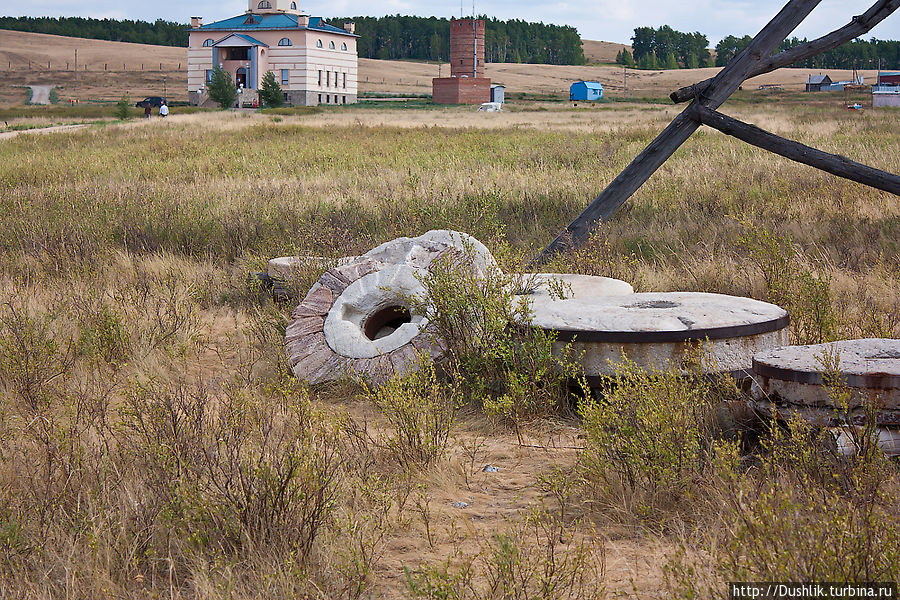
(708, 95)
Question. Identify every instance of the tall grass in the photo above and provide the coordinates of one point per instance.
(152, 439)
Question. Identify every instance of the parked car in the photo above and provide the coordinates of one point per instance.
(151, 101)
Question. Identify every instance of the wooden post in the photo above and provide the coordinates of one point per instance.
(831, 163)
(679, 130)
(855, 28)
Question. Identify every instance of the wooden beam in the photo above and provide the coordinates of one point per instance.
(855, 28)
(831, 163)
(680, 129)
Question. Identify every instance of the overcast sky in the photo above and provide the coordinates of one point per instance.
(608, 20)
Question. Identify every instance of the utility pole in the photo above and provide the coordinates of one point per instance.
(624, 82)
(76, 68)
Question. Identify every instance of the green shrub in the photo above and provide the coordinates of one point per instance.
(804, 294)
(123, 107)
(500, 363)
(231, 473)
(54, 96)
(650, 440)
(221, 89)
(270, 92)
(420, 410)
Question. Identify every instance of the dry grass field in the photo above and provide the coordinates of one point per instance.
(601, 52)
(153, 442)
(24, 58)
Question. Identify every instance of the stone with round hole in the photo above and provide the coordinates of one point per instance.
(868, 368)
(357, 321)
(662, 330)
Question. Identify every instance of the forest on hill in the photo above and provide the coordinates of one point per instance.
(391, 37)
(428, 38)
(668, 48)
(160, 33)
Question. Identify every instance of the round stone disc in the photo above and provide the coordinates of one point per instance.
(870, 367)
(547, 287)
(656, 330)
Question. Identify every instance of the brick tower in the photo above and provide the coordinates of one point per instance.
(467, 83)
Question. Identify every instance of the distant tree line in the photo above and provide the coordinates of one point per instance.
(665, 48)
(428, 38)
(859, 54)
(161, 33)
(391, 37)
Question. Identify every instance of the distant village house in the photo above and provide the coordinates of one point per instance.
(314, 62)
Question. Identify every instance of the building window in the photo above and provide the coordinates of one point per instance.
(344, 98)
(318, 43)
(285, 42)
(320, 98)
(345, 81)
(209, 74)
(264, 4)
(344, 47)
(293, 6)
(285, 74)
(207, 42)
(327, 78)
(331, 45)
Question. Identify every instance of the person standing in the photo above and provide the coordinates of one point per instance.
(147, 111)
(163, 109)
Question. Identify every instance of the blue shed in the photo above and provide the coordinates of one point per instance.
(586, 90)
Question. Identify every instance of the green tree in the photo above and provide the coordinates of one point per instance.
(270, 92)
(222, 90)
(123, 107)
(648, 61)
(669, 61)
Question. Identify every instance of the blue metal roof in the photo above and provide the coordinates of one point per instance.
(251, 22)
(592, 85)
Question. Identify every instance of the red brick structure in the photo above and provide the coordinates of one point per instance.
(467, 83)
(460, 90)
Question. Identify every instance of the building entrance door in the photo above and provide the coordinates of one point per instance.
(240, 78)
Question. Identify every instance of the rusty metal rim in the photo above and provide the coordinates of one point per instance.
(872, 382)
(656, 337)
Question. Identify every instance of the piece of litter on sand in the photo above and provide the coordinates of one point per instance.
(460, 504)
(490, 469)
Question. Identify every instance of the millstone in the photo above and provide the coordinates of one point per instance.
(540, 288)
(659, 330)
(870, 368)
(421, 251)
(356, 321)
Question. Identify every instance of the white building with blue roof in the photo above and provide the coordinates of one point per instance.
(314, 62)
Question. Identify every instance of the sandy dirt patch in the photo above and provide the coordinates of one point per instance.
(40, 94)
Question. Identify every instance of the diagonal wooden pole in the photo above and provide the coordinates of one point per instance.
(855, 28)
(679, 130)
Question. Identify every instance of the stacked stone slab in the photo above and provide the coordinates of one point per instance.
(795, 376)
